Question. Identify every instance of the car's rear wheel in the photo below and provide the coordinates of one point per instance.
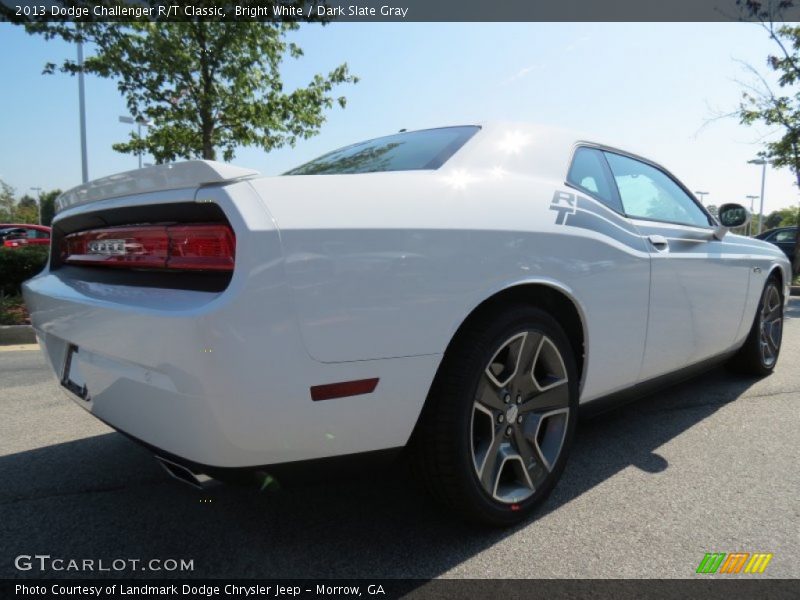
(499, 421)
(759, 354)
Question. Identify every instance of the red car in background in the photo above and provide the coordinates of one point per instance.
(14, 235)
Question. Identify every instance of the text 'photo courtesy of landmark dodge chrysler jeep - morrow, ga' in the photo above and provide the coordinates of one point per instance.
(458, 292)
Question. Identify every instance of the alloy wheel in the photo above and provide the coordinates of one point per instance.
(520, 416)
(771, 326)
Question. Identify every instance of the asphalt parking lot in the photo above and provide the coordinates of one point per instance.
(710, 465)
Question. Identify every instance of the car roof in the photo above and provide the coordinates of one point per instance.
(533, 148)
(774, 229)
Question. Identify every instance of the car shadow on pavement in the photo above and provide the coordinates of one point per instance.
(105, 497)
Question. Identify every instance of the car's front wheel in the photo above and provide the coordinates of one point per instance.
(759, 354)
(495, 433)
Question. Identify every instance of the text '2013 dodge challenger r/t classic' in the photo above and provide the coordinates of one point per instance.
(459, 292)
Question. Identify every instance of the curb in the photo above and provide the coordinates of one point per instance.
(16, 334)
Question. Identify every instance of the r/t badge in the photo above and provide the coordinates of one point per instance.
(564, 204)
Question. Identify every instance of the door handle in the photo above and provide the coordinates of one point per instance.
(659, 242)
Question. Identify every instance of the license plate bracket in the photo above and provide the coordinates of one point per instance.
(72, 378)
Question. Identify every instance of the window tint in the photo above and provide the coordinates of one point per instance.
(648, 193)
(590, 173)
(787, 235)
(13, 233)
(426, 149)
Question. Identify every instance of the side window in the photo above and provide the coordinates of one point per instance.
(648, 193)
(590, 173)
(15, 234)
(787, 235)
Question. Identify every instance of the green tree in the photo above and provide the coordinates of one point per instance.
(777, 108)
(27, 201)
(26, 210)
(773, 220)
(7, 202)
(754, 219)
(789, 216)
(48, 201)
(205, 87)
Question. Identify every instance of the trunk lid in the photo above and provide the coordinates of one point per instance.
(158, 178)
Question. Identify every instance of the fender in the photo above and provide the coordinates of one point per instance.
(553, 284)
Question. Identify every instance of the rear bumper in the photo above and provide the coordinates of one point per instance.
(220, 379)
(149, 371)
(215, 384)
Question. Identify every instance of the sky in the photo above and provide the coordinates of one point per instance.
(650, 88)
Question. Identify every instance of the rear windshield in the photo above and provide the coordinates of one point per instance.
(412, 151)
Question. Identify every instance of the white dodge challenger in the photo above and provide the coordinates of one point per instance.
(459, 291)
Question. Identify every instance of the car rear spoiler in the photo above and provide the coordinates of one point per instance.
(171, 176)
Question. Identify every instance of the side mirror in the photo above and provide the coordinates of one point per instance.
(731, 215)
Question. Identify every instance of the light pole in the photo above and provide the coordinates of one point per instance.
(763, 163)
(702, 195)
(82, 110)
(140, 122)
(38, 191)
(750, 224)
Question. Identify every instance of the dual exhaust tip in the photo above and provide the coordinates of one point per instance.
(198, 481)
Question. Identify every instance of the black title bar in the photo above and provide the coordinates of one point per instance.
(402, 10)
(393, 589)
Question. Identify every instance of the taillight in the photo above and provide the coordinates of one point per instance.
(186, 247)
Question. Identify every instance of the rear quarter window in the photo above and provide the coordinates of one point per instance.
(590, 173)
(406, 151)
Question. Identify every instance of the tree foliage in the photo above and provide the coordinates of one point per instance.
(787, 216)
(48, 202)
(7, 202)
(781, 109)
(26, 210)
(773, 220)
(206, 87)
(20, 264)
(778, 108)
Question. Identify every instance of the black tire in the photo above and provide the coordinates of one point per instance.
(753, 358)
(448, 442)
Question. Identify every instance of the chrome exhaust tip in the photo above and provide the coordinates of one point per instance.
(198, 481)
